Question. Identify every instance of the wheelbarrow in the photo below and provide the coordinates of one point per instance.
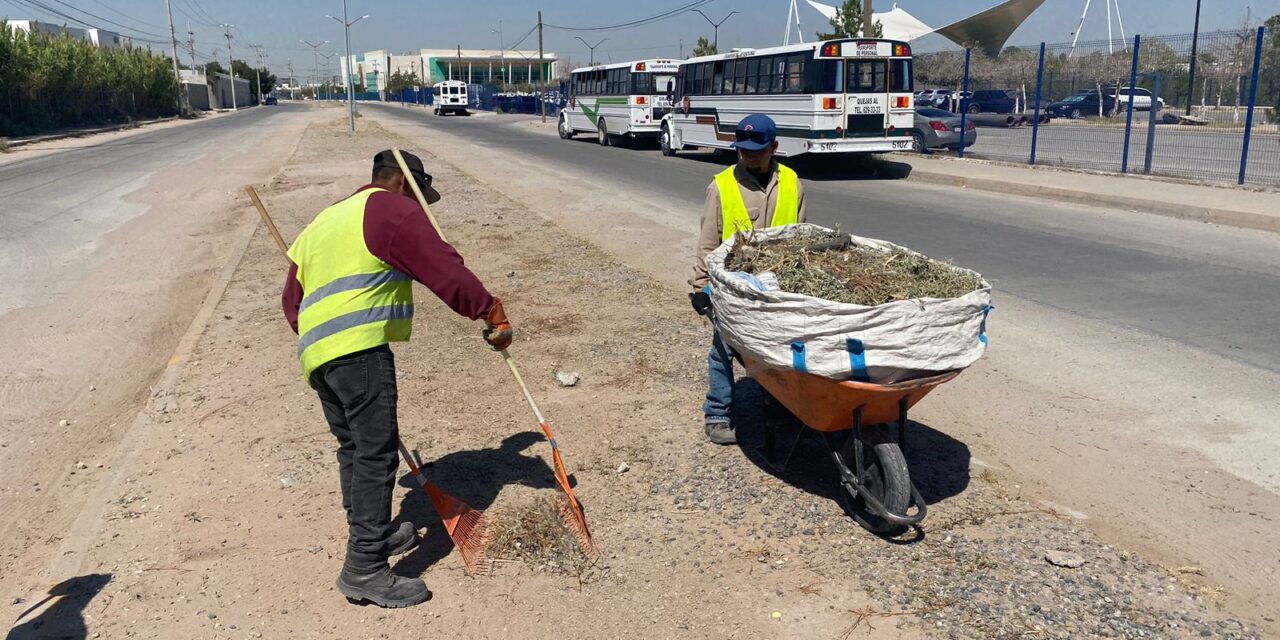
(877, 487)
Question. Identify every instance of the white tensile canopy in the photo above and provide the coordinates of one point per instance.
(988, 30)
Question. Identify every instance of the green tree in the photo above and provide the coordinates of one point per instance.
(399, 81)
(848, 23)
(704, 48)
(246, 72)
(213, 66)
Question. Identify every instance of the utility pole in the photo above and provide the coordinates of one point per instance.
(592, 49)
(231, 67)
(191, 44)
(257, 71)
(183, 105)
(351, 95)
(542, 74)
(459, 63)
(1195, 41)
(868, 19)
(292, 94)
(502, 54)
(715, 43)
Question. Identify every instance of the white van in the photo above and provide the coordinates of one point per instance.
(450, 96)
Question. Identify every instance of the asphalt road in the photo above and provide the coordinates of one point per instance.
(59, 205)
(1135, 271)
(1202, 155)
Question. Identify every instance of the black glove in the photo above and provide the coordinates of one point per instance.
(701, 302)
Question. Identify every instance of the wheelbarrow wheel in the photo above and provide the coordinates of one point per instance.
(885, 477)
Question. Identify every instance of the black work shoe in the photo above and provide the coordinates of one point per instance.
(402, 540)
(721, 433)
(382, 588)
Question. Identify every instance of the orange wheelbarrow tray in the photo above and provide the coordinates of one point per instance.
(877, 488)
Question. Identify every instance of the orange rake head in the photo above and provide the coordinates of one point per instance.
(469, 529)
(570, 509)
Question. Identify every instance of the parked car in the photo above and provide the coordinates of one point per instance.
(936, 128)
(935, 97)
(270, 100)
(1082, 105)
(1141, 98)
(990, 101)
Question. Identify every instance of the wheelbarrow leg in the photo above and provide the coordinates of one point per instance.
(770, 449)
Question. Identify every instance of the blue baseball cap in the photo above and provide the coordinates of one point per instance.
(755, 132)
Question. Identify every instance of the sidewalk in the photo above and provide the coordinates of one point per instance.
(1224, 205)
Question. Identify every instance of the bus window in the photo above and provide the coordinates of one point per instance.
(717, 78)
(828, 76)
(753, 75)
(795, 72)
(900, 78)
(730, 70)
(740, 77)
(867, 76)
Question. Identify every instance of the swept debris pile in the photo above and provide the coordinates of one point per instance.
(824, 264)
(535, 533)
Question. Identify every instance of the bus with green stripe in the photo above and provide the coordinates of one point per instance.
(616, 102)
(833, 97)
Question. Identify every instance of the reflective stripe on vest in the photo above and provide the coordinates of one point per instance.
(734, 210)
(352, 300)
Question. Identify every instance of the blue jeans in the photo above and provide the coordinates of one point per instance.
(719, 381)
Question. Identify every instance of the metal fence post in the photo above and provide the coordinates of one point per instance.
(964, 109)
(1253, 101)
(1035, 124)
(1128, 122)
(1152, 114)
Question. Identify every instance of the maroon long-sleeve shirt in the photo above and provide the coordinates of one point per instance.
(397, 232)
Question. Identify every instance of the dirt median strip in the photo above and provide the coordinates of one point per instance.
(231, 524)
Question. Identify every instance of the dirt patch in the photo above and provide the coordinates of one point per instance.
(232, 525)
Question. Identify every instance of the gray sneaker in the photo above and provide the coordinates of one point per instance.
(721, 433)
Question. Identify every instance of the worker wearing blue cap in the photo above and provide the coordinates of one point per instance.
(755, 193)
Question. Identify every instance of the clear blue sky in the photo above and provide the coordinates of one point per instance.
(402, 25)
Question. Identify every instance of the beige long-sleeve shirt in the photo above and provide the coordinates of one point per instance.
(761, 202)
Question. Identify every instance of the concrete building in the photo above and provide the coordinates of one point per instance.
(213, 91)
(373, 68)
(101, 37)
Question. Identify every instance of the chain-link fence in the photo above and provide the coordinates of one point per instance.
(1142, 105)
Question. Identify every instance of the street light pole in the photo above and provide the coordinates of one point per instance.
(231, 67)
(502, 55)
(1195, 42)
(257, 72)
(715, 42)
(591, 48)
(315, 57)
(351, 95)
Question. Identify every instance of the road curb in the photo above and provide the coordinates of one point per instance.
(86, 132)
(1227, 217)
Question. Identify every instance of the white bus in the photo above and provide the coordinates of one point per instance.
(613, 101)
(450, 96)
(838, 96)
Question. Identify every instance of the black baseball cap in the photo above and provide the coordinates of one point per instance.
(420, 175)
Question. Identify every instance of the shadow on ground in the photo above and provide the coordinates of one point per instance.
(938, 463)
(474, 477)
(63, 617)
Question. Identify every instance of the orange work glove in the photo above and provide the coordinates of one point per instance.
(498, 331)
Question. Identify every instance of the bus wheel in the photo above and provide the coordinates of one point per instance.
(665, 139)
(566, 131)
(602, 133)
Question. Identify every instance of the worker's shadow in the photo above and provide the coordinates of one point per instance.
(474, 477)
(938, 464)
(63, 617)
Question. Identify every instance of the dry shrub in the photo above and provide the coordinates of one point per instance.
(535, 533)
(820, 264)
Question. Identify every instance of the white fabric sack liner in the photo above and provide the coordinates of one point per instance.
(899, 340)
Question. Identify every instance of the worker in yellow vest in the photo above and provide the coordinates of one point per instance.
(755, 193)
(348, 294)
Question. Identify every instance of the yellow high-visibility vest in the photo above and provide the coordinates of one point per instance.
(734, 209)
(352, 300)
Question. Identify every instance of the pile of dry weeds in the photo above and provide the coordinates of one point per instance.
(535, 533)
(823, 264)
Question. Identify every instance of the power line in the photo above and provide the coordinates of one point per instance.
(108, 21)
(121, 13)
(640, 22)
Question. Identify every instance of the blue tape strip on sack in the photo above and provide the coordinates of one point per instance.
(857, 360)
(797, 357)
(982, 330)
